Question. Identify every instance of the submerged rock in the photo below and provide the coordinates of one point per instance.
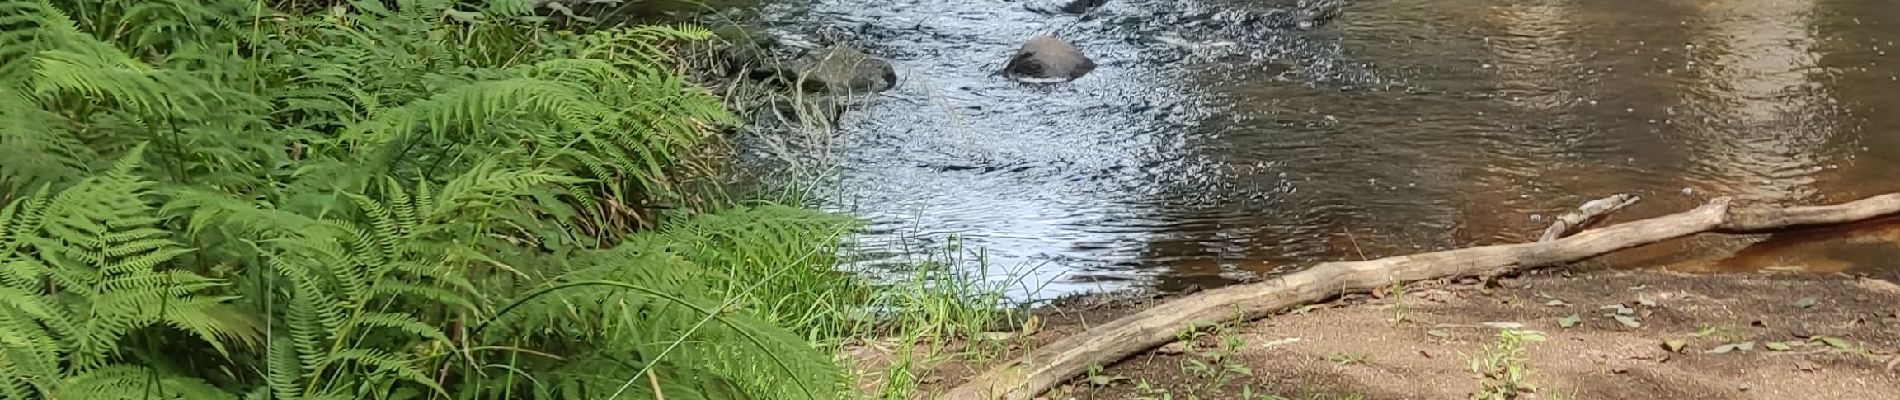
(1069, 6)
(1082, 6)
(1314, 13)
(747, 49)
(1045, 58)
(845, 70)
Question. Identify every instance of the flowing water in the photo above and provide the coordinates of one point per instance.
(1220, 138)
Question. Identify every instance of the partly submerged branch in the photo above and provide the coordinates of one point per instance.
(1585, 215)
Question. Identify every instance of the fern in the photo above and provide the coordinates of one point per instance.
(207, 199)
(663, 320)
(38, 147)
(84, 270)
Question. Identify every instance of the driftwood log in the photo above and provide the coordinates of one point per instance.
(1028, 376)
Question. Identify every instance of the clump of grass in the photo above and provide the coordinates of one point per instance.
(1501, 367)
(935, 312)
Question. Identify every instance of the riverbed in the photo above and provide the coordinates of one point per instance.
(1220, 139)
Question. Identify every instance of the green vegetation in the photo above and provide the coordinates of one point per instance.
(1501, 368)
(408, 199)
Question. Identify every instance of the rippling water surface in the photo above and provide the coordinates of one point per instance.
(1221, 138)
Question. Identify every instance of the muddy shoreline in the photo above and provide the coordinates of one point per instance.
(1833, 336)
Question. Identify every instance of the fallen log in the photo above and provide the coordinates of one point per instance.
(1028, 376)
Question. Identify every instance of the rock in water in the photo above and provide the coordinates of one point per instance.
(1048, 59)
(1082, 6)
(1068, 7)
(745, 49)
(844, 70)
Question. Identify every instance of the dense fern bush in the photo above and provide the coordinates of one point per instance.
(408, 199)
(86, 271)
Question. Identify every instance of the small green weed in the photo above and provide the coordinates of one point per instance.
(1501, 369)
(1398, 297)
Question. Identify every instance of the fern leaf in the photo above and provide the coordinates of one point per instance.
(402, 323)
(386, 363)
(136, 383)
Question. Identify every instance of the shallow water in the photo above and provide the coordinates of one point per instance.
(1218, 140)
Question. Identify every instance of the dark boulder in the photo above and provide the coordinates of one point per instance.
(1082, 6)
(1045, 58)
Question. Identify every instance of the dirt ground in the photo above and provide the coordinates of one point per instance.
(1811, 336)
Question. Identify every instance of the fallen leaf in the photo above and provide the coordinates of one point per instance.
(1556, 303)
(1805, 302)
(1438, 333)
(1279, 342)
(1777, 346)
(1834, 342)
(1722, 349)
(996, 336)
(1504, 325)
(1628, 321)
(1645, 301)
(1674, 345)
(1569, 322)
(1533, 336)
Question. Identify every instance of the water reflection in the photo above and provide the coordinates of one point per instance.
(1218, 139)
(1757, 121)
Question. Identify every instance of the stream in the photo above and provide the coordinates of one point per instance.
(1222, 139)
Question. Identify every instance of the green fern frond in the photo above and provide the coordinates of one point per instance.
(401, 323)
(283, 370)
(121, 382)
(386, 363)
(38, 146)
(88, 265)
(465, 109)
(114, 76)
